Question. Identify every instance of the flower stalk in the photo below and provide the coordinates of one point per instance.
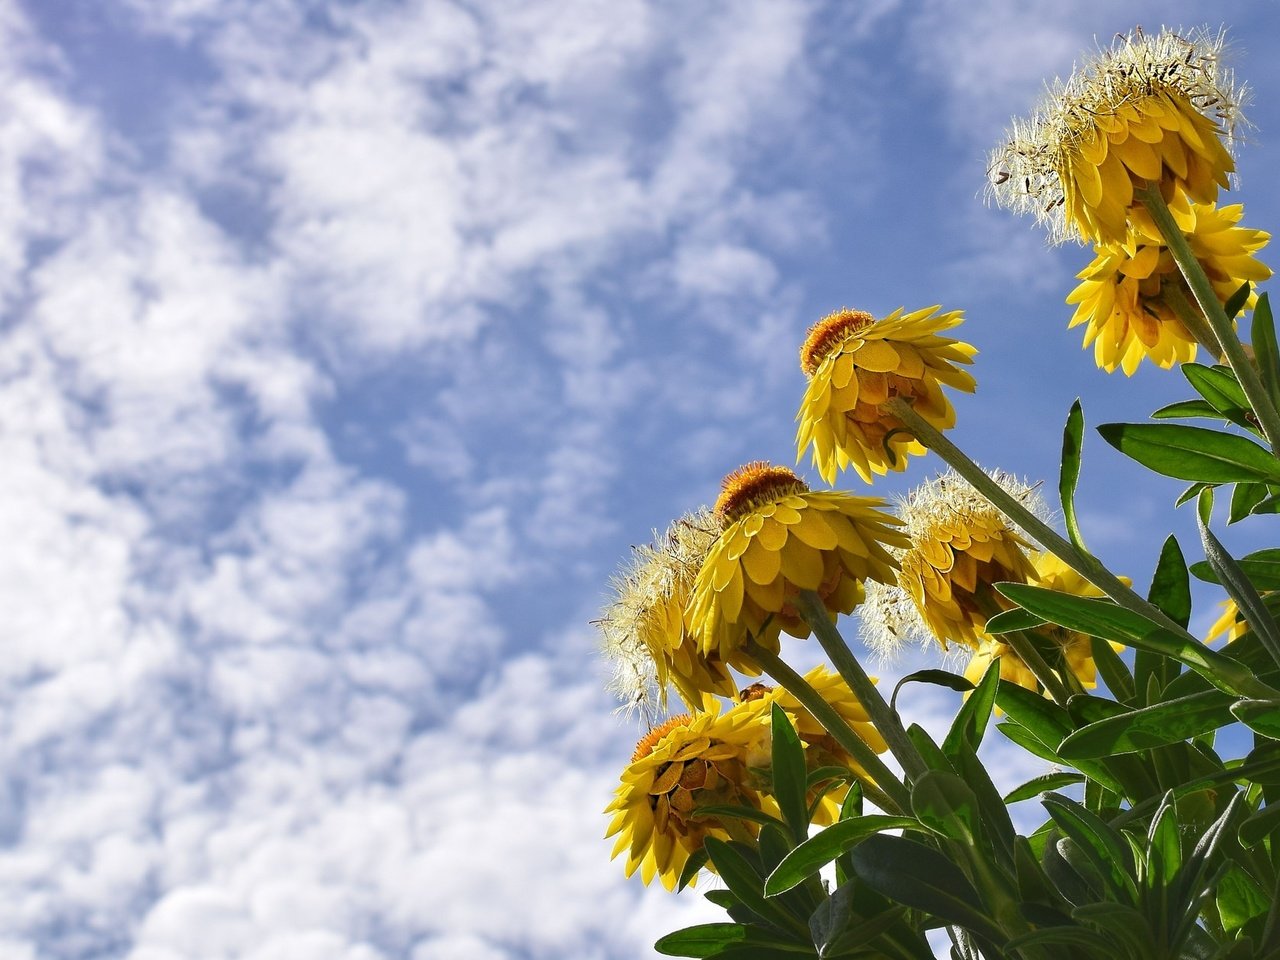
(1223, 328)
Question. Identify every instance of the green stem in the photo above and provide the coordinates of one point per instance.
(885, 718)
(883, 788)
(1025, 648)
(1211, 306)
(1221, 670)
(1193, 320)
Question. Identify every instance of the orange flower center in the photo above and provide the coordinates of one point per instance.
(827, 334)
(650, 739)
(752, 486)
(754, 692)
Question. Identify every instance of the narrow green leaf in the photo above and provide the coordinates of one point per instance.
(1260, 716)
(1235, 303)
(1265, 352)
(1239, 899)
(1164, 846)
(697, 860)
(920, 877)
(1124, 923)
(1192, 453)
(1191, 493)
(1092, 944)
(1185, 410)
(932, 754)
(789, 779)
(993, 815)
(1241, 590)
(848, 939)
(972, 717)
(1170, 585)
(1102, 845)
(1244, 499)
(941, 678)
(703, 940)
(737, 811)
(945, 804)
(1154, 726)
(1262, 568)
(1260, 825)
(1011, 621)
(745, 883)
(1072, 440)
(1042, 784)
(1112, 669)
(827, 844)
(1219, 387)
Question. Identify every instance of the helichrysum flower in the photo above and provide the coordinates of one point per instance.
(686, 763)
(1149, 111)
(1123, 297)
(643, 630)
(779, 538)
(960, 546)
(1231, 624)
(855, 363)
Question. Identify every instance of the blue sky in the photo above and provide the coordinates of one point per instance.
(346, 348)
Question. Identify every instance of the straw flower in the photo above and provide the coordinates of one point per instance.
(855, 363)
(643, 631)
(1124, 297)
(1231, 624)
(1149, 111)
(686, 763)
(779, 538)
(960, 546)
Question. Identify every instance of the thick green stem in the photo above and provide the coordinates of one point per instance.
(885, 718)
(1223, 671)
(1193, 320)
(884, 789)
(1211, 306)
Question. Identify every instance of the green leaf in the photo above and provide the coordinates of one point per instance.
(1241, 590)
(1219, 387)
(1124, 923)
(1260, 716)
(1186, 409)
(1072, 439)
(1263, 335)
(834, 928)
(1100, 844)
(1191, 493)
(745, 883)
(1262, 568)
(931, 753)
(1260, 825)
(824, 846)
(1170, 586)
(1112, 669)
(1154, 726)
(1164, 846)
(697, 860)
(972, 717)
(1011, 621)
(1042, 784)
(941, 678)
(1239, 899)
(789, 778)
(1192, 453)
(1245, 499)
(920, 877)
(703, 940)
(737, 811)
(945, 804)
(1235, 303)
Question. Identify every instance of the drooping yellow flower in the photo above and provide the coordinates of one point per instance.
(959, 546)
(643, 629)
(821, 749)
(855, 363)
(1122, 299)
(1149, 111)
(686, 763)
(779, 538)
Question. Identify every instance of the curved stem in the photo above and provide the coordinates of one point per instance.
(883, 788)
(885, 718)
(1223, 328)
(1221, 670)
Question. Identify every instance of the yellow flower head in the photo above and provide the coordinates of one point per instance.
(855, 363)
(1150, 111)
(960, 546)
(779, 538)
(1231, 624)
(1123, 296)
(643, 630)
(687, 762)
(821, 749)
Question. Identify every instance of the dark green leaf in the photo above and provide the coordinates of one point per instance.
(1244, 499)
(1241, 590)
(1192, 453)
(697, 860)
(1042, 784)
(1123, 923)
(1012, 620)
(703, 940)
(972, 718)
(1093, 944)
(1186, 409)
(941, 678)
(1105, 848)
(745, 882)
(737, 811)
(1260, 825)
(789, 774)
(945, 804)
(1262, 568)
(920, 877)
(1150, 727)
(1072, 438)
(1263, 335)
(1235, 303)
(1219, 387)
(1112, 669)
(1170, 586)
(1164, 847)
(846, 939)
(824, 846)
(1260, 716)
(992, 812)
(932, 754)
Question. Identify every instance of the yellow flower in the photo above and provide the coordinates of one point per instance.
(1231, 624)
(1122, 299)
(687, 762)
(855, 363)
(1151, 110)
(643, 630)
(960, 546)
(821, 749)
(780, 538)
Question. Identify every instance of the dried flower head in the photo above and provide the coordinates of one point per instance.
(1147, 111)
(855, 364)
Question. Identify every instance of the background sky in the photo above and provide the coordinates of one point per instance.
(346, 347)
